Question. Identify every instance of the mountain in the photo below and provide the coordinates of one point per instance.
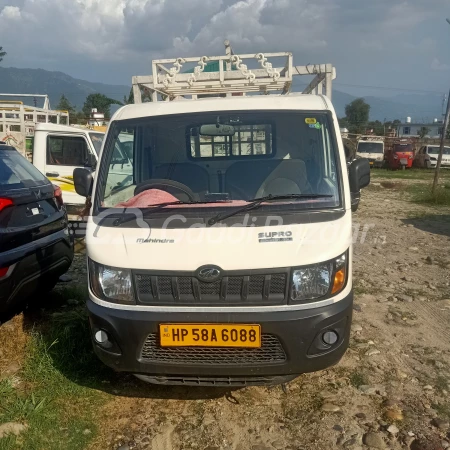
(421, 107)
(39, 81)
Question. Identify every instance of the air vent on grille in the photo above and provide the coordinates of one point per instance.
(270, 352)
(255, 289)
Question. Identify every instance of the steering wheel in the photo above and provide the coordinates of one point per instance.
(172, 187)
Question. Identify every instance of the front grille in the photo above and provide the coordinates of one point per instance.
(232, 289)
(270, 352)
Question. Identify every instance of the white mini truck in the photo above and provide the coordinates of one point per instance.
(224, 256)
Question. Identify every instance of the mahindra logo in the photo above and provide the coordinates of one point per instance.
(209, 273)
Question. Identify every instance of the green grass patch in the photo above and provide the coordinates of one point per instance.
(424, 195)
(55, 394)
(409, 174)
(358, 379)
(443, 410)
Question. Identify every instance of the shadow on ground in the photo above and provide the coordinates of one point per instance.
(431, 223)
(62, 329)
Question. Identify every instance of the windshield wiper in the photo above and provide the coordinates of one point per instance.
(121, 220)
(256, 203)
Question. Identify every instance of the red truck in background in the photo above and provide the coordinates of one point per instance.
(399, 155)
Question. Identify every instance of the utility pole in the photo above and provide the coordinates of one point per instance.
(444, 133)
(441, 150)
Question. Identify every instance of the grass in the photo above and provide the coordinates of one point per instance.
(424, 195)
(358, 379)
(409, 174)
(443, 410)
(53, 393)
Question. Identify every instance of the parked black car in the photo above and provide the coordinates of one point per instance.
(35, 249)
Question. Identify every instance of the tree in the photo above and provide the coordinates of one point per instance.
(146, 96)
(423, 131)
(65, 105)
(101, 102)
(357, 114)
(2, 54)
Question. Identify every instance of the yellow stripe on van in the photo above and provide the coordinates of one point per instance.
(65, 183)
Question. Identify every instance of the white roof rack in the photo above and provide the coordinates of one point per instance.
(231, 75)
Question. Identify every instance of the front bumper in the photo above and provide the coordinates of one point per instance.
(33, 267)
(299, 333)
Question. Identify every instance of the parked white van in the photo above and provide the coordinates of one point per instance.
(372, 149)
(224, 255)
(59, 149)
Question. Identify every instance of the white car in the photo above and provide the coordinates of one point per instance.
(427, 156)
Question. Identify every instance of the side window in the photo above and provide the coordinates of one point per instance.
(120, 170)
(66, 150)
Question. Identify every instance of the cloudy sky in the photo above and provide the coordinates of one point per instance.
(390, 43)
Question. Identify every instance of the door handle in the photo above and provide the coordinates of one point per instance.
(52, 174)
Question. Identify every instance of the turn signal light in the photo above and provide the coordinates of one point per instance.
(339, 281)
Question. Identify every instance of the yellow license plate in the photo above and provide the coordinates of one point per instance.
(209, 335)
(371, 163)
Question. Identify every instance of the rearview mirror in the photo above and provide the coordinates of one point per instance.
(359, 174)
(82, 179)
(216, 130)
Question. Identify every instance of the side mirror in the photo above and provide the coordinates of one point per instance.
(359, 174)
(82, 179)
(91, 161)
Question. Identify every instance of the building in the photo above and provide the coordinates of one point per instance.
(410, 129)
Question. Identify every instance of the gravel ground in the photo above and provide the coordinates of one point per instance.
(390, 391)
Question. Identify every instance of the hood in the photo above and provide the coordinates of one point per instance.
(231, 248)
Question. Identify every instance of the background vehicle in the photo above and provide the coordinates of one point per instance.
(427, 157)
(371, 148)
(34, 244)
(45, 137)
(223, 255)
(58, 150)
(400, 155)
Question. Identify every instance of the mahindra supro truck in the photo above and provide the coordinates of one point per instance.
(221, 252)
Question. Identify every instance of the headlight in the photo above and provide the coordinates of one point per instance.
(319, 281)
(110, 283)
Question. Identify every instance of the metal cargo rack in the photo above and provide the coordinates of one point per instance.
(171, 80)
(18, 121)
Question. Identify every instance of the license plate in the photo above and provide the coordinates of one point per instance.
(403, 161)
(371, 163)
(209, 335)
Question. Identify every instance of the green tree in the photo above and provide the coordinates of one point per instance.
(65, 105)
(146, 96)
(423, 132)
(2, 54)
(357, 114)
(101, 102)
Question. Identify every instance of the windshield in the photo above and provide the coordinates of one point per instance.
(16, 172)
(400, 148)
(97, 140)
(222, 159)
(370, 147)
(435, 150)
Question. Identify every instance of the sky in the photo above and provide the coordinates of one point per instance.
(372, 43)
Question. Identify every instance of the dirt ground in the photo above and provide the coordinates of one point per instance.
(391, 389)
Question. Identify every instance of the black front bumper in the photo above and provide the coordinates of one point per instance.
(298, 332)
(34, 266)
